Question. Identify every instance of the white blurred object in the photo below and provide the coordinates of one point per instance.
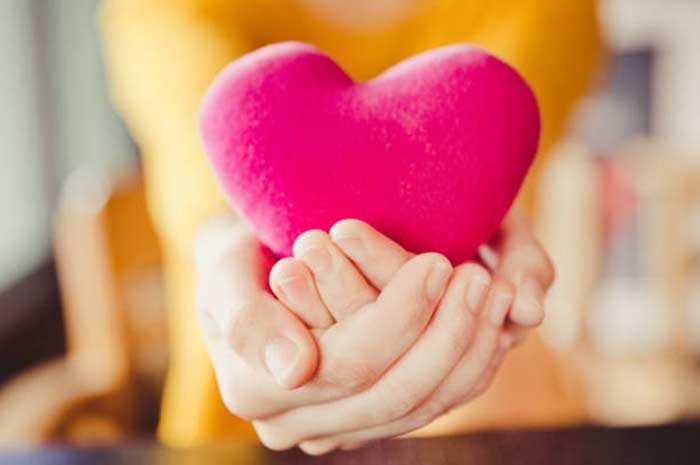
(672, 30)
(624, 234)
(629, 317)
(24, 184)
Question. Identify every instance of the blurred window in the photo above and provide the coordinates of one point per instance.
(56, 116)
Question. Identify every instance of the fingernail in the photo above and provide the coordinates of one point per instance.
(318, 258)
(436, 280)
(529, 303)
(280, 358)
(351, 245)
(475, 293)
(528, 312)
(499, 307)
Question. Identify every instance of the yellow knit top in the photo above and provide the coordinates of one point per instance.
(162, 54)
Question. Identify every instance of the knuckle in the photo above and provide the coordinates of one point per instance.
(241, 323)
(238, 323)
(350, 373)
(271, 438)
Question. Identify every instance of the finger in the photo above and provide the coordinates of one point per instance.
(233, 305)
(477, 362)
(342, 287)
(292, 283)
(411, 380)
(358, 350)
(376, 256)
(528, 308)
(525, 265)
(488, 376)
(498, 302)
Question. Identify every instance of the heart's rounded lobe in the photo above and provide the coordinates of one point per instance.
(431, 153)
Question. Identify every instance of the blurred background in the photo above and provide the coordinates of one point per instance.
(83, 333)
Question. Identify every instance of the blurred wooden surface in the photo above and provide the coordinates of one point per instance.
(676, 445)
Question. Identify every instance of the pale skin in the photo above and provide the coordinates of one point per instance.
(355, 339)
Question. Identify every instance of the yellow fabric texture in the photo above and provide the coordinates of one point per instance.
(162, 54)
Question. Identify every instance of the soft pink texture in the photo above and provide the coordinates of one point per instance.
(431, 153)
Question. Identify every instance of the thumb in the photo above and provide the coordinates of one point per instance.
(235, 307)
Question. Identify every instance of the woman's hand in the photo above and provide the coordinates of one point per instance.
(381, 341)
(517, 260)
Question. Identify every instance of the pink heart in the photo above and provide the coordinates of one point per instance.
(431, 153)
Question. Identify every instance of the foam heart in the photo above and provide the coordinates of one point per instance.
(432, 152)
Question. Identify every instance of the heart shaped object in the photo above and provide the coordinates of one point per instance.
(431, 153)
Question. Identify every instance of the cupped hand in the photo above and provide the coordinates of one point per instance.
(364, 340)
(517, 261)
